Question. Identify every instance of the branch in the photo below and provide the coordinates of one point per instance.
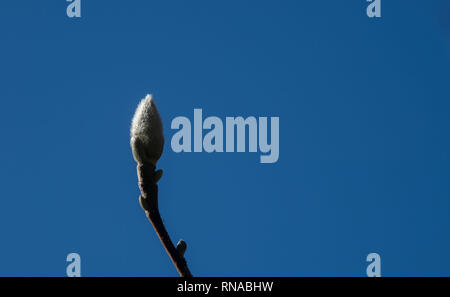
(148, 178)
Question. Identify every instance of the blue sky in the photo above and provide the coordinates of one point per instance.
(364, 149)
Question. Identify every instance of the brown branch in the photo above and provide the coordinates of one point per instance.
(148, 178)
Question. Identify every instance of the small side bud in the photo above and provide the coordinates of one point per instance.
(158, 175)
(143, 203)
(181, 247)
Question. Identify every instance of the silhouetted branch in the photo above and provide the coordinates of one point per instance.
(148, 178)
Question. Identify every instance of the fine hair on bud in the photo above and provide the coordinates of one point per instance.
(147, 139)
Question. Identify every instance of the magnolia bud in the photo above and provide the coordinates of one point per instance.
(147, 139)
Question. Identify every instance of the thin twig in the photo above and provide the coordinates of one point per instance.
(148, 178)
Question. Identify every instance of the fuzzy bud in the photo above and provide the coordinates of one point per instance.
(147, 139)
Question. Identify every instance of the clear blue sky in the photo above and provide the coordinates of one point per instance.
(364, 136)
